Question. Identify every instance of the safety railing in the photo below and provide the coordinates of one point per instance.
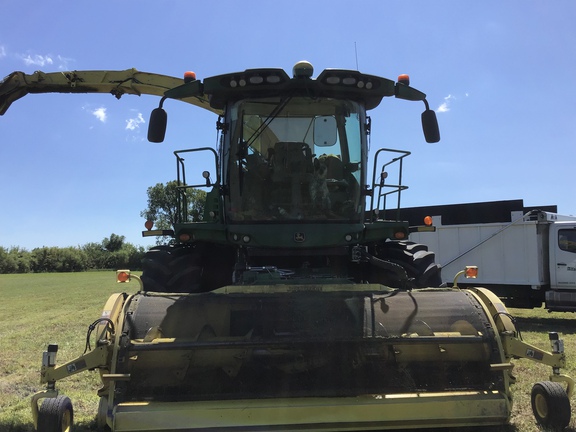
(388, 184)
(183, 186)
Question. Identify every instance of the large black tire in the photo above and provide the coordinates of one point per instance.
(56, 415)
(415, 258)
(173, 268)
(550, 405)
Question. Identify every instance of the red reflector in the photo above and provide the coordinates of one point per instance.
(399, 235)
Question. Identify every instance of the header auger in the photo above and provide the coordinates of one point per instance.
(298, 302)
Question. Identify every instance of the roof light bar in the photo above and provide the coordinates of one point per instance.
(350, 79)
(253, 78)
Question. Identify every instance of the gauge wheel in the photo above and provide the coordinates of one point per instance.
(56, 415)
(550, 405)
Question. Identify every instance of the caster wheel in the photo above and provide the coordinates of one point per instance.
(56, 415)
(550, 405)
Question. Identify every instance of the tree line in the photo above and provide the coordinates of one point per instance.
(112, 253)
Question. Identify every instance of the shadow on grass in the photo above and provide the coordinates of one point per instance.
(541, 325)
(9, 426)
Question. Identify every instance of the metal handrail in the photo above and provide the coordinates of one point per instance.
(390, 188)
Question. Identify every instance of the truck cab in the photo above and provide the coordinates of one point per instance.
(562, 295)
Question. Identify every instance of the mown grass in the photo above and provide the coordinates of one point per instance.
(38, 309)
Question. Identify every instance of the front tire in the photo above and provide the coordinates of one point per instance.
(56, 415)
(174, 268)
(415, 258)
(550, 405)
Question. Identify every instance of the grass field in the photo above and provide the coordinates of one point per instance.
(38, 309)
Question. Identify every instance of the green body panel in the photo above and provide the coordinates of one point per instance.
(382, 230)
(203, 231)
(290, 236)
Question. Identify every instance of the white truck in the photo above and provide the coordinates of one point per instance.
(527, 256)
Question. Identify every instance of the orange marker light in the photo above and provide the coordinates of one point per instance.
(471, 272)
(189, 76)
(404, 79)
(123, 276)
(399, 235)
(428, 221)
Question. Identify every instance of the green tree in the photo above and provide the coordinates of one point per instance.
(23, 259)
(95, 255)
(55, 259)
(8, 261)
(163, 204)
(113, 243)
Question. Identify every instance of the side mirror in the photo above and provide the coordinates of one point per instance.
(157, 125)
(430, 126)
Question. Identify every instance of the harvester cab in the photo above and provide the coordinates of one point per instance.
(294, 304)
(290, 174)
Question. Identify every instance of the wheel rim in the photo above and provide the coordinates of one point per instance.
(67, 421)
(541, 406)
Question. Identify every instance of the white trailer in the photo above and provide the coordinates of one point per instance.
(526, 257)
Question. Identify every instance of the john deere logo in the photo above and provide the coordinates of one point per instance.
(299, 237)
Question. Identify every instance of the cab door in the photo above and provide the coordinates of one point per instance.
(563, 255)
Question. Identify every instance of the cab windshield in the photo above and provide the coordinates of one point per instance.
(294, 158)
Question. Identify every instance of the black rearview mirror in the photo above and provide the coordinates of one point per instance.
(430, 126)
(157, 125)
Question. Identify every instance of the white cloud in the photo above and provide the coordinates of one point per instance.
(134, 123)
(37, 60)
(63, 62)
(449, 101)
(445, 106)
(100, 114)
(2, 51)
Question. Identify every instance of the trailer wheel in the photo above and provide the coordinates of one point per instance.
(550, 405)
(56, 415)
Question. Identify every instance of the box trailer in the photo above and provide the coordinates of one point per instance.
(527, 256)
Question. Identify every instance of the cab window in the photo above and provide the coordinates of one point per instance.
(567, 240)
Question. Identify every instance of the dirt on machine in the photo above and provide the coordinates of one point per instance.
(298, 302)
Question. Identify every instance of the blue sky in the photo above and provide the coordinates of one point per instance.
(500, 74)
